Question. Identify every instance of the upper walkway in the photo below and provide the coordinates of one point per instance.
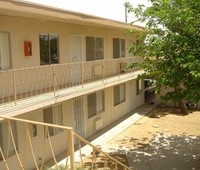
(28, 104)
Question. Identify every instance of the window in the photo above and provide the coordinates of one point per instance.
(49, 49)
(138, 86)
(94, 48)
(4, 50)
(5, 137)
(119, 94)
(53, 115)
(118, 48)
(95, 103)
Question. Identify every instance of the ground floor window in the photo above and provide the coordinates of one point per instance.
(6, 142)
(95, 103)
(4, 50)
(53, 115)
(119, 94)
(138, 86)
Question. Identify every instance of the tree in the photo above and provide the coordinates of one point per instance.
(170, 47)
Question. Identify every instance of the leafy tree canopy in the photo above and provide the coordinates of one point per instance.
(170, 47)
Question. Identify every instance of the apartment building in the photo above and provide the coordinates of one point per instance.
(63, 68)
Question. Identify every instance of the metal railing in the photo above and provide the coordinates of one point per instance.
(21, 156)
(22, 83)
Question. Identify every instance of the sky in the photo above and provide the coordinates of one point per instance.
(111, 9)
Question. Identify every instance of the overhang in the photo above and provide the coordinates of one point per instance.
(18, 8)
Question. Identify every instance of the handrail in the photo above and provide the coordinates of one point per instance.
(35, 122)
(99, 150)
(22, 83)
(71, 135)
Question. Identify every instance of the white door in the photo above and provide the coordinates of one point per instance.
(76, 53)
(79, 118)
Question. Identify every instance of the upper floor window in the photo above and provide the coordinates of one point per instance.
(8, 149)
(94, 48)
(118, 48)
(49, 49)
(4, 50)
(53, 115)
(119, 94)
(95, 103)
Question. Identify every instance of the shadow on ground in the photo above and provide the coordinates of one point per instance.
(166, 152)
(164, 111)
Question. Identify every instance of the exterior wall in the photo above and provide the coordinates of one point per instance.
(139, 99)
(111, 114)
(29, 29)
(40, 147)
(163, 91)
(21, 30)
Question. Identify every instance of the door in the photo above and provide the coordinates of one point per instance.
(79, 118)
(76, 53)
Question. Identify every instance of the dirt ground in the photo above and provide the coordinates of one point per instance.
(162, 140)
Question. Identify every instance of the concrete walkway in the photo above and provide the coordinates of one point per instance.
(110, 132)
(122, 124)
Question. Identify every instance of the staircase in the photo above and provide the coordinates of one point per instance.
(99, 159)
(95, 160)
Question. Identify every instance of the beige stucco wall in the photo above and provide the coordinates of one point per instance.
(22, 29)
(113, 113)
(59, 141)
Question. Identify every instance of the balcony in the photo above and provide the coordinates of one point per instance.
(61, 81)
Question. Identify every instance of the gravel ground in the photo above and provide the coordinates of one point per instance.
(162, 140)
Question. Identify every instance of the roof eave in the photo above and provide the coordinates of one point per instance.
(24, 9)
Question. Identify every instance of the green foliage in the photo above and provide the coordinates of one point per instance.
(171, 46)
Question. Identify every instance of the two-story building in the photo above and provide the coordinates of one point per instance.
(63, 68)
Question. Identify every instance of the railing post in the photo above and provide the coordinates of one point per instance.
(54, 81)
(82, 73)
(14, 87)
(103, 71)
(71, 149)
(118, 68)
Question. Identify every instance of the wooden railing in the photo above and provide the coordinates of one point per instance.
(22, 83)
(21, 156)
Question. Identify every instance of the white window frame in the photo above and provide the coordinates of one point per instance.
(119, 94)
(5, 55)
(98, 53)
(98, 103)
(120, 48)
(55, 112)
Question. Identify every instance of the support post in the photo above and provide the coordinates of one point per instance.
(71, 149)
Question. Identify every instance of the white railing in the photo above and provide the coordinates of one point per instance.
(21, 157)
(27, 82)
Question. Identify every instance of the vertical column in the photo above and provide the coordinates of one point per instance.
(71, 149)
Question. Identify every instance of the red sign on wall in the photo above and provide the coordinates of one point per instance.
(27, 48)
